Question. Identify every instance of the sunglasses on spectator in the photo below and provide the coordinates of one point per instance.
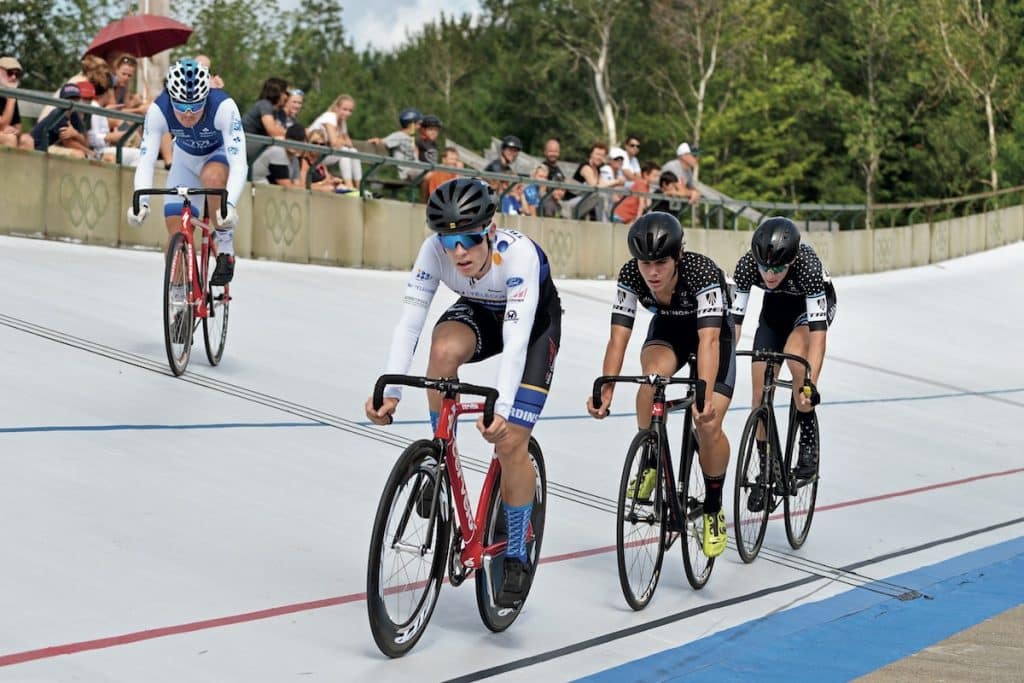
(127, 59)
(14, 73)
(467, 240)
(296, 91)
(188, 107)
(634, 144)
(773, 269)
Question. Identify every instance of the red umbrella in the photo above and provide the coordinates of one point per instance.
(142, 35)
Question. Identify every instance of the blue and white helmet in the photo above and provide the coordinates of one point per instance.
(188, 81)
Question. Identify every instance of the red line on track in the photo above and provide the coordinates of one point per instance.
(149, 634)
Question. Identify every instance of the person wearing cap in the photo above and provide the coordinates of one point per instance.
(510, 148)
(10, 116)
(62, 132)
(682, 167)
(401, 144)
(426, 143)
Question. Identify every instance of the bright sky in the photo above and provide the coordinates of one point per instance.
(385, 24)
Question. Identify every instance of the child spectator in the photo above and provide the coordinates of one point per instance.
(62, 133)
(632, 206)
(435, 178)
(668, 185)
(334, 122)
(402, 143)
(10, 116)
(533, 193)
(426, 143)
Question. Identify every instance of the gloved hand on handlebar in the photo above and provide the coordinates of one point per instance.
(229, 221)
(136, 219)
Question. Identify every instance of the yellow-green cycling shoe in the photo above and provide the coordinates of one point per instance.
(647, 481)
(715, 537)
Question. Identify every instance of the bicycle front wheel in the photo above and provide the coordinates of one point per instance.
(698, 566)
(640, 531)
(215, 324)
(177, 309)
(752, 489)
(407, 553)
(488, 582)
(803, 494)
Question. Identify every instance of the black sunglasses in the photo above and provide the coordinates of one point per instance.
(15, 73)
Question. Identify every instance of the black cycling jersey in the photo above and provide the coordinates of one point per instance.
(807, 278)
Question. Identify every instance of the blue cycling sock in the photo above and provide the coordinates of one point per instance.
(517, 519)
(434, 417)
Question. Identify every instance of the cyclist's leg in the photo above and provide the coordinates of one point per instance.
(798, 345)
(660, 356)
(714, 448)
(215, 174)
(184, 173)
(459, 337)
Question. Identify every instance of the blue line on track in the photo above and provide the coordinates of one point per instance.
(258, 425)
(850, 634)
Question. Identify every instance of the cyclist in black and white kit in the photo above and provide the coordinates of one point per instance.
(688, 294)
(507, 304)
(799, 307)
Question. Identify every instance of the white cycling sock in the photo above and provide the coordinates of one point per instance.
(225, 240)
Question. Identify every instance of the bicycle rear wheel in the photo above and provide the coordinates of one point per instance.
(698, 566)
(407, 553)
(215, 324)
(178, 312)
(799, 505)
(752, 481)
(640, 533)
(488, 581)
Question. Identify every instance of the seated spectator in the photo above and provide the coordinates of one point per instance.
(587, 173)
(10, 116)
(293, 106)
(96, 71)
(334, 123)
(401, 144)
(632, 206)
(62, 132)
(311, 163)
(513, 202)
(551, 205)
(215, 80)
(612, 176)
(123, 66)
(533, 193)
(103, 140)
(263, 117)
(682, 167)
(426, 143)
(435, 178)
(632, 168)
(669, 186)
(505, 163)
(274, 164)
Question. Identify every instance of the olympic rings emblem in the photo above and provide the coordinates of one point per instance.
(560, 247)
(84, 201)
(283, 220)
(884, 247)
(940, 241)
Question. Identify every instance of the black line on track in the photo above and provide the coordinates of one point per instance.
(703, 609)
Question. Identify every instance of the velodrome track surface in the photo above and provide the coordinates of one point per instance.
(215, 527)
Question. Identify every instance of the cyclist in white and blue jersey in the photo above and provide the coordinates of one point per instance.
(209, 152)
(507, 304)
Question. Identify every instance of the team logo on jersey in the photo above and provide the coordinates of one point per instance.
(622, 296)
(232, 150)
(496, 258)
(513, 282)
(236, 124)
(422, 274)
(520, 295)
(502, 246)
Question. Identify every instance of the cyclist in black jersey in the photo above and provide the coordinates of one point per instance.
(688, 294)
(799, 307)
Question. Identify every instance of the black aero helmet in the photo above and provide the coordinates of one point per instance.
(654, 236)
(511, 142)
(776, 242)
(460, 205)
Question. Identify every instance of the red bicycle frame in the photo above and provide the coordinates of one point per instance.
(197, 299)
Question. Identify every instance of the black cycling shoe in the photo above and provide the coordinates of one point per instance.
(224, 271)
(807, 462)
(515, 584)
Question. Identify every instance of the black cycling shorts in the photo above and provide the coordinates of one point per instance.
(780, 315)
(681, 336)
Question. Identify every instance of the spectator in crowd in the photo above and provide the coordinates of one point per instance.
(10, 116)
(632, 168)
(682, 167)
(274, 164)
(402, 143)
(103, 140)
(97, 71)
(263, 117)
(310, 163)
(534, 192)
(435, 178)
(513, 201)
(506, 161)
(632, 206)
(334, 123)
(123, 66)
(612, 176)
(426, 143)
(551, 205)
(587, 173)
(215, 80)
(293, 106)
(62, 132)
(671, 188)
